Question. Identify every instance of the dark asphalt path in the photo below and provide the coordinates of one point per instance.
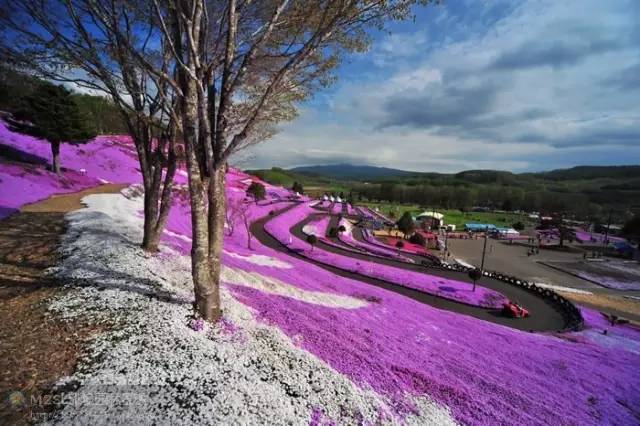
(545, 317)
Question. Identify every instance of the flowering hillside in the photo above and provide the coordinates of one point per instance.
(297, 343)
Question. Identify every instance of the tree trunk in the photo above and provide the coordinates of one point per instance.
(207, 302)
(151, 237)
(217, 213)
(248, 228)
(55, 151)
(157, 202)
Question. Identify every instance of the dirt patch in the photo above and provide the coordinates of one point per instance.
(68, 202)
(36, 348)
(613, 274)
(614, 304)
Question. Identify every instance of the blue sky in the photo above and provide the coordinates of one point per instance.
(513, 85)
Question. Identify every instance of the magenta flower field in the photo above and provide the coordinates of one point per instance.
(347, 238)
(382, 342)
(449, 289)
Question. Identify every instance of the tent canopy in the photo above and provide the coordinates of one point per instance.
(432, 214)
(479, 226)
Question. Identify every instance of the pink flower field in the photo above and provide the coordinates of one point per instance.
(347, 238)
(399, 350)
(449, 289)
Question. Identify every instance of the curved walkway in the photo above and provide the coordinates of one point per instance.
(545, 317)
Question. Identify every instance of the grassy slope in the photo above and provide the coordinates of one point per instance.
(453, 217)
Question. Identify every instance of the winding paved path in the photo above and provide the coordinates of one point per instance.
(545, 316)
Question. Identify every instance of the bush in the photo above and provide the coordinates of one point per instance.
(518, 226)
(272, 212)
(333, 232)
(405, 224)
(399, 244)
(341, 228)
(475, 274)
(312, 240)
(418, 238)
(256, 191)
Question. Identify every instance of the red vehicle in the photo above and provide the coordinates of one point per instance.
(513, 310)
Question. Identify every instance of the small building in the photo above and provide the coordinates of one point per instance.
(431, 219)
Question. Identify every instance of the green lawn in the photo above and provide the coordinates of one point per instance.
(453, 217)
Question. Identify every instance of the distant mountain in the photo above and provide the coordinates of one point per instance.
(364, 173)
(591, 172)
(353, 172)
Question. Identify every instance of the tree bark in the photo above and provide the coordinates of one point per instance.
(55, 154)
(217, 214)
(150, 239)
(157, 193)
(206, 290)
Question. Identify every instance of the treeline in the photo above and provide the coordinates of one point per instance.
(464, 196)
(99, 113)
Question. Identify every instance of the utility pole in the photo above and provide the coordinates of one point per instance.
(484, 248)
(476, 274)
(606, 234)
(446, 242)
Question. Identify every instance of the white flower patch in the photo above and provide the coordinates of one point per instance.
(180, 236)
(310, 229)
(261, 259)
(151, 368)
(280, 288)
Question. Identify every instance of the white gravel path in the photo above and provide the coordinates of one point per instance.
(151, 368)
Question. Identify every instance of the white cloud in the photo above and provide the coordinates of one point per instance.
(543, 84)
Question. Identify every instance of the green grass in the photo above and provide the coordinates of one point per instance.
(453, 217)
(397, 209)
(456, 217)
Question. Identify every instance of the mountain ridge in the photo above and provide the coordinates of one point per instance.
(346, 171)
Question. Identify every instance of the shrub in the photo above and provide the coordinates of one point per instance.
(256, 191)
(418, 238)
(312, 240)
(333, 232)
(518, 226)
(341, 228)
(399, 244)
(405, 224)
(475, 274)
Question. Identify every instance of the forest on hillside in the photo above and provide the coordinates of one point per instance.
(99, 113)
(585, 192)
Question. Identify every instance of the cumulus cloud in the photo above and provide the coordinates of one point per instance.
(521, 85)
(554, 52)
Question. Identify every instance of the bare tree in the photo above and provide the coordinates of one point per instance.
(238, 211)
(242, 67)
(96, 45)
(235, 67)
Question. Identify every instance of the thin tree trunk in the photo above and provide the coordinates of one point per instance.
(157, 198)
(167, 190)
(55, 153)
(151, 238)
(217, 213)
(248, 229)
